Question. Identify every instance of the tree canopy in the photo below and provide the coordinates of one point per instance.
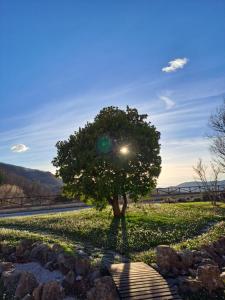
(115, 156)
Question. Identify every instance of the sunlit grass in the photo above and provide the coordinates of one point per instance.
(195, 243)
(13, 236)
(145, 226)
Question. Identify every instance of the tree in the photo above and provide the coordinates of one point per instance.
(1, 178)
(217, 123)
(116, 156)
(210, 185)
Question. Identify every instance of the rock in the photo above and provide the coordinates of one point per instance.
(167, 259)
(23, 248)
(192, 272)
(26, 284)
(41, 253)
(57, 249)
(94, 275)
(155, 266)
(81, 287)
(52, 291)
(7, 249)
(68, 283)
(104, 289)
(51, 266)
(81, 252)
(207, 261)
(209, 275)
(65, 263)
(78, 278)
(187, 258)
(37, 292)
(27, 297)
(222, 276)
(10, 280)
(189, 285)
(82, 265)
(6, 266)
(173, 282)
(48, 291)
(213, 254)
(204, 254)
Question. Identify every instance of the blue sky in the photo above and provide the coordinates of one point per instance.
(62, 61)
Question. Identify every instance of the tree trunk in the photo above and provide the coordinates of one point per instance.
(123, 211)
(116, 206)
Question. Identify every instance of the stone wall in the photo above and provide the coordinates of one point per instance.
(194, 271)
(68, 276)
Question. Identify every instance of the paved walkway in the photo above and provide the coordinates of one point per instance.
(41, 211)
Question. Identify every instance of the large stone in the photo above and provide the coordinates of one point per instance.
(6, 266)
(48, 291)
(26, 284)
(23, 248)
(187, 258)
(81, 286)
(82, 265)
(167, 259)
(7, 249)
(189, 285)
(57, 248)
(65, 263)
(10, 280)
(104, 289)
(207, 261)
(51, 265)
(213, 254)
(68, 283)
(52, 291)
(28, 297)
(219, 247)
(37, 292)
(41, 253)
(209, 275)
(94, 275)
(222, 276)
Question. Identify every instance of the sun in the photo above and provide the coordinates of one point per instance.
(124, 150)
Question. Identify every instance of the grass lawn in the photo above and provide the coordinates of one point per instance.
(145, 227)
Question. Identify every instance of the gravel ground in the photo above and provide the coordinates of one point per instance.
(42, 275)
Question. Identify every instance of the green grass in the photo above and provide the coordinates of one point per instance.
(13, 236)
(145, 227)
(210, 236)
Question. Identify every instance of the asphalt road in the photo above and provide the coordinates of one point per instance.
(41, 211)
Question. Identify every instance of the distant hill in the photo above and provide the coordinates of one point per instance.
(30, 180)
(197, 183)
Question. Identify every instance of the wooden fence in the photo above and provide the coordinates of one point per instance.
(34, 200)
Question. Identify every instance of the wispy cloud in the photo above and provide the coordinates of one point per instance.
(42, 129)
(19, 148)
(168, 102)
(175, 64)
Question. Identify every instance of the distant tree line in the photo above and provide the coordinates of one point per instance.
(29, 187)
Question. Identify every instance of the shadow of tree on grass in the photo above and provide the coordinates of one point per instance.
(116, 246)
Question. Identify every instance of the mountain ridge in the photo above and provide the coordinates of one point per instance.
(31, 180)
(198, 183)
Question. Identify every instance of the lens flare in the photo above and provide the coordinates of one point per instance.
(124, 150)
(104, 144)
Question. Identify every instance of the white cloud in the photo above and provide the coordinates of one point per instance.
(175, 64)
(168, 102)
(19, 148)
